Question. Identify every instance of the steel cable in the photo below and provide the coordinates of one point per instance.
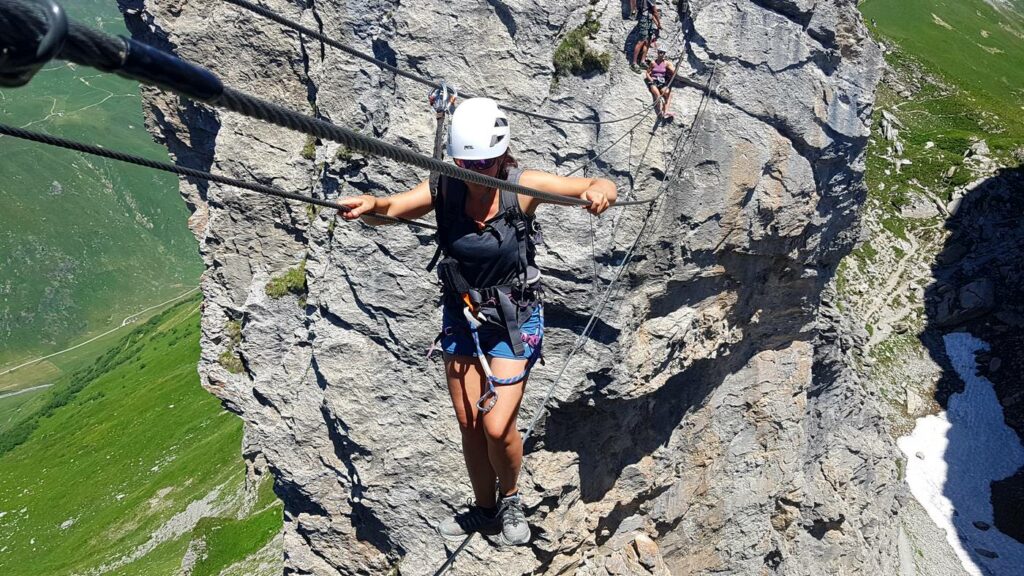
(189, 172)
(96, 49)
(289, 23)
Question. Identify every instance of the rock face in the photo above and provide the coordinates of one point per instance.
(710, 425)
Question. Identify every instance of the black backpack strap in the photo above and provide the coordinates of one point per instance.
(438, 193)
(519, 220)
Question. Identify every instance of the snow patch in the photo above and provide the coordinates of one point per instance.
(952, 458)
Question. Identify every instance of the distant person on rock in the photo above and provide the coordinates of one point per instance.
(658, 76)
(649, 26)
(488, 274)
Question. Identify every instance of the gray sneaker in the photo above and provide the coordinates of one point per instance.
(475, 519)
(514, 529)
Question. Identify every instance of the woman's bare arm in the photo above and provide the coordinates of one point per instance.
(600, 191)
(410, 204)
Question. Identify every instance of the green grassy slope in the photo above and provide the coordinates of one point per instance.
(967, 42)
(84, 242)
(130, 465)
(975, 55)
(955, 77)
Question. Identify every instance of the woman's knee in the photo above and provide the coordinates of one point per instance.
(500, 430)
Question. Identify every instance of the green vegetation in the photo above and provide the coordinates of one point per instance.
(969, 44)
(121, 449)
(574, 55)
(961, 65)
(309, 150)
(344, 154)
(293, 281)
(966, 60)
(84, 241)
(229, 358)
(228, 540)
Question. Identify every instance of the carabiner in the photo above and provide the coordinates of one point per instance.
(487, 401)
(443, 99)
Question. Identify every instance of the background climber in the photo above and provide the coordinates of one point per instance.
(658, 77)
(649, 27)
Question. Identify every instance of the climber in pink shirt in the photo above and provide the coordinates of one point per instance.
(658, 77)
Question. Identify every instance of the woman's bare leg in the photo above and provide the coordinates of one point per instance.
(504, 442)
(656, 94)
(465, 384)
(636, 52)
(668, 100)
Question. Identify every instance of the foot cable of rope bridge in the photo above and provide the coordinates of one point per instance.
(189, 172)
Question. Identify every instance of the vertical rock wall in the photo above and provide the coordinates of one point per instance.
(708, 426)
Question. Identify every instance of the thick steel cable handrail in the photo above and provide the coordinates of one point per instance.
(137, 61)
(188, 172)
(289, 23)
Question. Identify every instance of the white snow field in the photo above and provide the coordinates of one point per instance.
(954, 455)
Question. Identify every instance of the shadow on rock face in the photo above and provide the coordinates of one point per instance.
(979, 289)
(609, 433)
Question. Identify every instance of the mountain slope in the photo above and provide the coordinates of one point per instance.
(134, 469)
(84, 242)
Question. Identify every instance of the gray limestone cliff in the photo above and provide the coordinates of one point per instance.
(709, 426)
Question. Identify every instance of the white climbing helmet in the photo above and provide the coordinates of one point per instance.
(479, 130)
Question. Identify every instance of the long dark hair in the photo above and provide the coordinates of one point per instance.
(506, 163)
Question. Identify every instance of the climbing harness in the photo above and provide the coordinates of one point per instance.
(505, 300)
(489, 398)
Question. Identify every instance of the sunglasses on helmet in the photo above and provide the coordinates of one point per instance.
(477, 165)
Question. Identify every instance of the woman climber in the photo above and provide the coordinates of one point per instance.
(658, 77)
(493, 321)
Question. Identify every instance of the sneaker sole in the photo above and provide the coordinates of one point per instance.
(460, 537)
(505, 542)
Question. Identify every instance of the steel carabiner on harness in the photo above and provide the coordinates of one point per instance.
(489, 398)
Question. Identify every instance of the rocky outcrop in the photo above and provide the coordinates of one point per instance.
(978, 289)
(710, 425)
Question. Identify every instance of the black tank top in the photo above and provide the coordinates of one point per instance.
(490, 256)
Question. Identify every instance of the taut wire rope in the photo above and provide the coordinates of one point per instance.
(55, 141)
(289, 23)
